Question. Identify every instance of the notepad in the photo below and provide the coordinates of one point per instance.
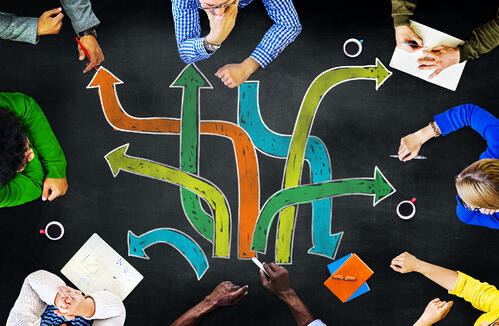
(408, 61)
(350, 265)
(97, 267)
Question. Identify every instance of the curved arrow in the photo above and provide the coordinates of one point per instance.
(184, 244)
(294, 162)
(277, 145)
(245, 154)
(378, 187)
(118, 160)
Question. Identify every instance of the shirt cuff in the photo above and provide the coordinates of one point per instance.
(107, 305)
(401, 20)
(443, 123)
(260, 56)
(317, 322)
(32, 35)
(465, 52)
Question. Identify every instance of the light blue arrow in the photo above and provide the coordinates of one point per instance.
(277, 145)
(184, 244)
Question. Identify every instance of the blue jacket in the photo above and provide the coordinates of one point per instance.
(488, 127)
(25, 29)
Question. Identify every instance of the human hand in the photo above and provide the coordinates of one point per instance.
(50, 22)
(226, 294)
(53, 188)
(487, 211)
(435, 311)
(221, 24)
(71, 303)
(405, 263)
(410, 146)
(407, 34)
(94, 51)
(276, 280)
(233, 75)
(439, 58)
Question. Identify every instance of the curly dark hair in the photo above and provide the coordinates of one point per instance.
(12, 145)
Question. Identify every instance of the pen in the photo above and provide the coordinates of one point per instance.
(419, 157)
(84, 50)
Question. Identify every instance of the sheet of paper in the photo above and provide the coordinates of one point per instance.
(97, 266)
(334, 266)
(407, 62)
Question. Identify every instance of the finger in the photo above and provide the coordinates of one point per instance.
(89, 67)
(418, 40)
(45, 191)
(81, 53)
(52, 12)
(403, 154)
(226, 78)
(427, 67)
(426, 61)
(58, 18)
(220, 70)
(264, 278)
(274, 267)
(436, 72)
(437, 48)
(396, 268)
(53, 195)
(232, 85)
(239, 294)
(435, 300)
(430, 54)
(269, 270)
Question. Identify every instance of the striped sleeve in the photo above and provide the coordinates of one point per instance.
(285, 29)
(188, 31)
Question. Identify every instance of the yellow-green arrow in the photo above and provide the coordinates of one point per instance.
(294, 162)
(118, 160)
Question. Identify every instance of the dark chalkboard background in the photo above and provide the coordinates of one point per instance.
(359, 125)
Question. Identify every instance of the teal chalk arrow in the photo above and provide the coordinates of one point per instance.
(191, 251)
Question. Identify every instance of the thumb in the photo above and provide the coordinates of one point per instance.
(418, 40)
(437, 48)
(52, 12)
(81, 53)
(45, 191)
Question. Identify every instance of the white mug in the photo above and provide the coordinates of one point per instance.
(45, 231)
(410, 202)
(352, 40)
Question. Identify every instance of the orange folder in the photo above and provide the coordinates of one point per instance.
(354, 266)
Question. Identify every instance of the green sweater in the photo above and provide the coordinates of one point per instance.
(483, 39)
(49, 161)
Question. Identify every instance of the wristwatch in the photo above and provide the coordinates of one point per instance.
(90, 31)
(210, 48)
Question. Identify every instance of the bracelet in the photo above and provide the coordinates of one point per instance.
(435, 130)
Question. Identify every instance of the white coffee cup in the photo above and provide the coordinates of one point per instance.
(409, 202)
(352, 40)
(53, 224)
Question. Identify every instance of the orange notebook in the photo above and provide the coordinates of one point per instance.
(355, 267)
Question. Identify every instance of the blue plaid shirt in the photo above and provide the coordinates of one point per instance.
(285, 29)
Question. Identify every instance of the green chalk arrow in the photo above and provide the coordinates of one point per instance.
(378, 187)
(294, 162)
(191, 80)
(118, 160)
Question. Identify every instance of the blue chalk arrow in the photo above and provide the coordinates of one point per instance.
(177, 239)
(277, 145)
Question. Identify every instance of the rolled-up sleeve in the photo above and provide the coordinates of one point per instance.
(285, 29)
(81, 14)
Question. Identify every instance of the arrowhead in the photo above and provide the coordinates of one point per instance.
(191, 76)
(135, 247)
(103, 77)
(382, 187)
(382, 73)
(115, 158)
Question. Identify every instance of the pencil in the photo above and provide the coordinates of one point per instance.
(84, 50)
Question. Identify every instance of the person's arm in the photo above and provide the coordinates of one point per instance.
(277, 282)
(285, 29)
(225, 294)
(481, 295)
(25, 186)
(476, 218)
(402, 10)
(21, 29)
(451, 120)
(29, 306)
(483, 39)
(405, 36)
(406, 263)
(188, 31)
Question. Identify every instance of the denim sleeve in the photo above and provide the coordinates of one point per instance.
(22, 29)
(81, 14)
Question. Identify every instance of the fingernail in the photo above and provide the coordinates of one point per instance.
(44, 199)
(82, 57)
